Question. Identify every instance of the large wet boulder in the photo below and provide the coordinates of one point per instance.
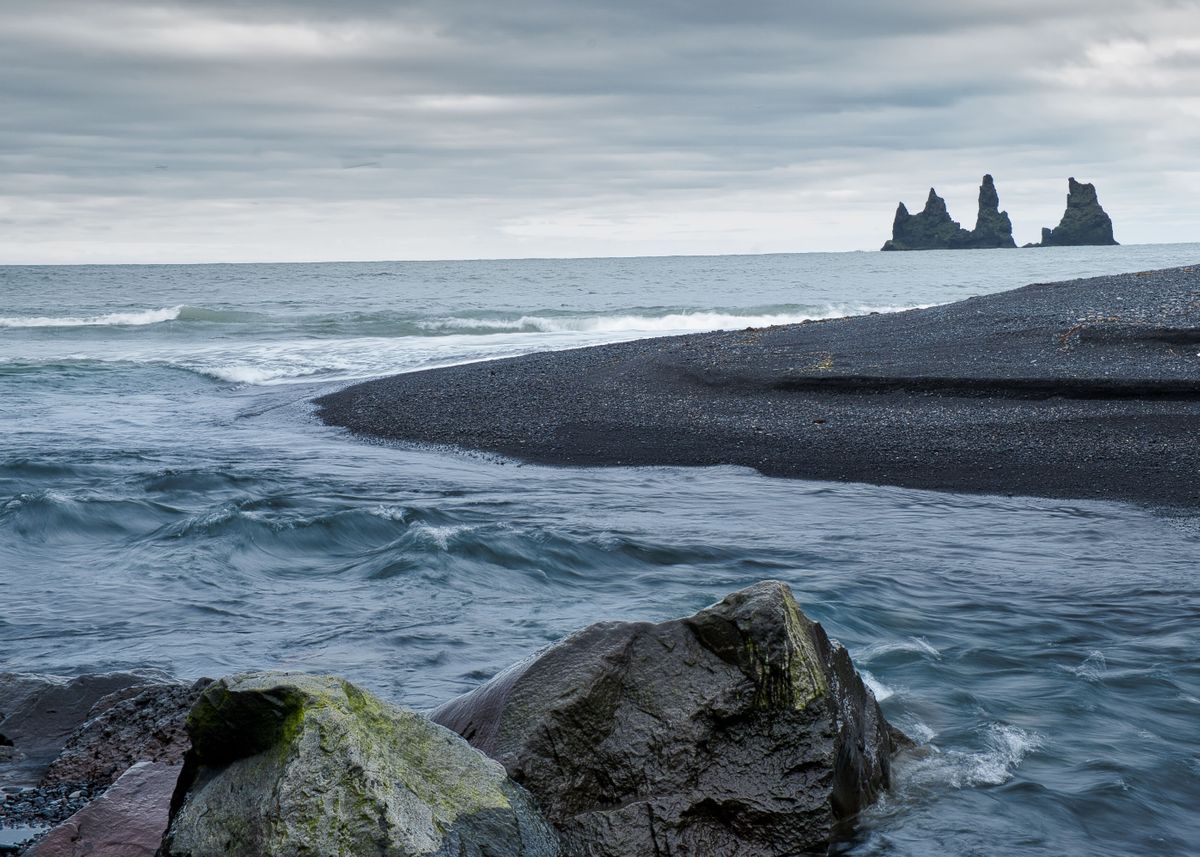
(1083, 223)
(741, 730)
(290, 764)
(137, 724)
(128, 820)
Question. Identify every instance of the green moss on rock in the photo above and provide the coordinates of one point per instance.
(286, 763)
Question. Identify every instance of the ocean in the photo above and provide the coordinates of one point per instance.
(169, 501)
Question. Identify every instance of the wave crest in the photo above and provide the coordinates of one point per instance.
(672, 322)
(113, 319)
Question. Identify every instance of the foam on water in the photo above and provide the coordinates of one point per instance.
(658, 325)
(912, 645)
(113, 319)
(881, 690)
(1006, 748)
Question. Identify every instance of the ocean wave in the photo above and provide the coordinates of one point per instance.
(113, 319)
(671, 322)
(1005, 748)
(132, 318)
(878, 688)
(911, 645)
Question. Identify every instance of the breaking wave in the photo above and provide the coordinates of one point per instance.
(1006, 747)
(113, 319)
(133, 318)
(671, 322)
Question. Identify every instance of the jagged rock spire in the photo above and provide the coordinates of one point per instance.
(933, 228)
(1083, 223)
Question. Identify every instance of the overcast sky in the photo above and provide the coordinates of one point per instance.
(239, 131)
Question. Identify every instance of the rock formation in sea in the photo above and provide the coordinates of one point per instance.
(1083, 223)
(933, 229)
(992, 226)
(285, 763)
(740, 730)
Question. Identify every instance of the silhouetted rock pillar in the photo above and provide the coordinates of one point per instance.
(992, 226)
(931, 229)
(1083, 223)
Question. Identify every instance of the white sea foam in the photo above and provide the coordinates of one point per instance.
(1006, 747)
(140, 317)
(881, 690)
(918, 645)
(267, 362)
(390, 513)
(440, 536)
(678, 322)
(1093, 668)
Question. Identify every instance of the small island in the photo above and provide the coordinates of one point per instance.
(1084, 223)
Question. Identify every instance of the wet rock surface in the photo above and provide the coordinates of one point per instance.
(740, 730)
(39, 713)
(1083, 389)
(128, 820)
(148, 725)
(27, 812)
(284, 763)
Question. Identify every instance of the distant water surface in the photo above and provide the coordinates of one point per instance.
(168, 500)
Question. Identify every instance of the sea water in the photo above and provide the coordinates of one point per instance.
(168, 500)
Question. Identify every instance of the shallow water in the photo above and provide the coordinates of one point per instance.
(167, 500)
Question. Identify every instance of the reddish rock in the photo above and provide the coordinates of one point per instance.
(127, 821)
(39, 713)
(145, 725)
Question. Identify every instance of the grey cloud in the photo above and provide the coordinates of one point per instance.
(562, 107)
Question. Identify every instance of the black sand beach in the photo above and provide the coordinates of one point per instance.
(1080, 389)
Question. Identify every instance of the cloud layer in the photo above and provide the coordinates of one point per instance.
(209, 130)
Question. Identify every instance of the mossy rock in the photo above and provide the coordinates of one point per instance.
(292, 764)
(740, 730)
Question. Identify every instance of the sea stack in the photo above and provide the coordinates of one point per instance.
(992, 226)
(1083, 223)
(930, 229)
(933, 229)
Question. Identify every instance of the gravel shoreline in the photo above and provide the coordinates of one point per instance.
(1080, 389)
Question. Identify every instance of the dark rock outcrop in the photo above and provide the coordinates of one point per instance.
(933, 229)
(147, 726)
(992, 226)
(39, 713)
(128, 820)
(929, 229)
(1084, 222)
(285, 764)
(740, 730)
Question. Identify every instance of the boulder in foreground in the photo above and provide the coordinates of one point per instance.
(128, 820)
(39, 713)
(741, 730)
(138, 724)
(291, 764)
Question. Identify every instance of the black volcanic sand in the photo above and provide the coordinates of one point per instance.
(1083, 389)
